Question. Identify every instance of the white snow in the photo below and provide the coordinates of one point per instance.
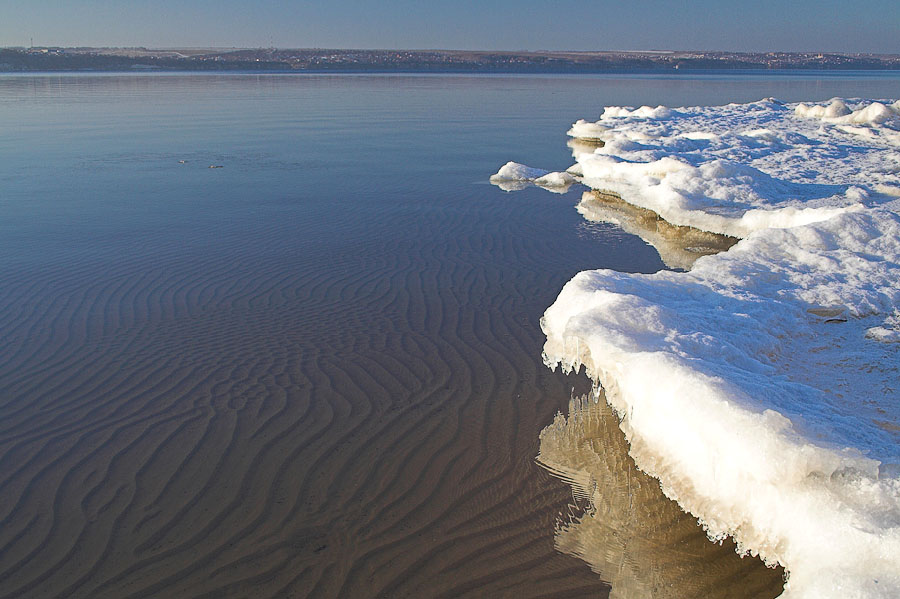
(740, 168)
(873, 113)
(555, 180)
(513, 176)
(644, 112)
(762, 387)
(513, 171)
(586, 130)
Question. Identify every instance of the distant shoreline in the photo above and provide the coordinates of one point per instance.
(675, 74)
(55, 59)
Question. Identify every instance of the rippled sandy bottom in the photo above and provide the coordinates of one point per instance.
(225, 424)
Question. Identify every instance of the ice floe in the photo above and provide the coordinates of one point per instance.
(761, 387)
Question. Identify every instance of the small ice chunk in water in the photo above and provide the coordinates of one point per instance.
(514, 171)
(513, 176)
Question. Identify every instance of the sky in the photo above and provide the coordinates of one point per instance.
(736, 25)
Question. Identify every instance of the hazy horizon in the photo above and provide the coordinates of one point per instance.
(727, 25)
(438, 49)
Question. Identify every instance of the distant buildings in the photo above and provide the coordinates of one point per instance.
(272, 59)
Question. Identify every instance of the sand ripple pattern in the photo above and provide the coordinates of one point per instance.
(279, 415)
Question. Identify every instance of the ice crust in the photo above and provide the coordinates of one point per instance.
(762, 387)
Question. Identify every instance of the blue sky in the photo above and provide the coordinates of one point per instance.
(828, 25)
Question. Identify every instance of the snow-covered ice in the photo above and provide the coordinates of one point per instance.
(761, 387)
(740, 168)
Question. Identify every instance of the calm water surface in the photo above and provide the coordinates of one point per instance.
(314, 371)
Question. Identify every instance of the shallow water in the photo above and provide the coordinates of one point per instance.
(315, 371)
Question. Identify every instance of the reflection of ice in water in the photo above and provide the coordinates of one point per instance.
(629, 532)
(678, 247)
(511, 185)
(582, 146)
(513, 176)
(520, 185)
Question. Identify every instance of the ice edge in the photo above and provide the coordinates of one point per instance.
(690, 398)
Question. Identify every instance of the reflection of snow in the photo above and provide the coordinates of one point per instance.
(678, 247)
(639, 541)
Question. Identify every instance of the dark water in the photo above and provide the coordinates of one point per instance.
(316, 370)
